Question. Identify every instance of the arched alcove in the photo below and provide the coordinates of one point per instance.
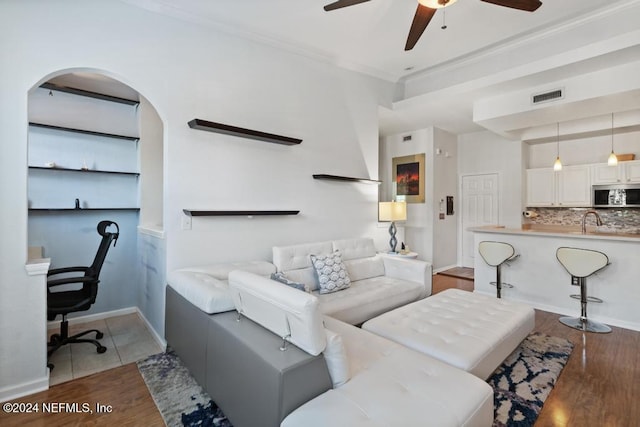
(95, 152)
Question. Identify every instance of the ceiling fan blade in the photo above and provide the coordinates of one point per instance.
(420, 21)
(342, 3)
(526, 5)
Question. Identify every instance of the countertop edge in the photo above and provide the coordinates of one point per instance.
(568, 234)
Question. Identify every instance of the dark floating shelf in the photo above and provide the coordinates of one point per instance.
(80, 210)
(86, 132)
(190, 212)
(346, 178)
(83, 170)
(242, 132)
(89, 94)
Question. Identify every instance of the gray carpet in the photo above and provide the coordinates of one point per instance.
(521, 385)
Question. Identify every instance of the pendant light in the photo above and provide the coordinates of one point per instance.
(613, 159)
(557, 165)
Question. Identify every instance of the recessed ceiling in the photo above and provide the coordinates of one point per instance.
(370, 37)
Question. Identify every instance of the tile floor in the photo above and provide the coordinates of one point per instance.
(126, 337)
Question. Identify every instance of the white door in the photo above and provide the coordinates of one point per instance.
(479, 207)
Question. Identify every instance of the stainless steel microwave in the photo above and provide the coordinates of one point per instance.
(616, 196)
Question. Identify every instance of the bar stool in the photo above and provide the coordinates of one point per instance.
(495, 254)
(580, 264)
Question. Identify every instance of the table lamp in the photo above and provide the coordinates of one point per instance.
(392, 211)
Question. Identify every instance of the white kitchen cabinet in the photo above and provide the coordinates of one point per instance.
(569, 187)
(541, 184)
(622, 173)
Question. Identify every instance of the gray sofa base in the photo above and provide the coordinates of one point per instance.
(240, 364)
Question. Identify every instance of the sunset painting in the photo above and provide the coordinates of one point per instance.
(408, 179)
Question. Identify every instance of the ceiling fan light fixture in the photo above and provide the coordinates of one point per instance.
(436, 4)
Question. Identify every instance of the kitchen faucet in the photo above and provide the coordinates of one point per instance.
(584, 220)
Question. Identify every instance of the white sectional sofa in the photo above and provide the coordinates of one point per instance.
(228, 322)
(376, 382)
(378, 283)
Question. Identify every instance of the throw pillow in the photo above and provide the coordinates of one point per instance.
(331, 271)
(279, 277)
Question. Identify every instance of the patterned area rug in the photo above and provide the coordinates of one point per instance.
(179, 398)
(525, 379)
(521, 385)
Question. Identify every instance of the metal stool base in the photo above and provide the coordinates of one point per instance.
(585, 325)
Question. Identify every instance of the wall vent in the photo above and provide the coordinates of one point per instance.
(406, 138)
(547, 96)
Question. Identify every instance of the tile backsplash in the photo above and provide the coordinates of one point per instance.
(625, 220)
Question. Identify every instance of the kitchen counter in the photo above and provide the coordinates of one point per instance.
(602, 233)
(541, 281)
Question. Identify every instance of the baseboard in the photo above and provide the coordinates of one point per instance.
(93, 317)
(449, 267)
(55, 324)
(634, 326)
(161, 341)
(19, 390)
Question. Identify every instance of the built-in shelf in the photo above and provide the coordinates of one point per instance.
(242, 132)
(80, 210)
(89, 94)
(86, 132)
(346, 178)
(190, 212)
(83, 170)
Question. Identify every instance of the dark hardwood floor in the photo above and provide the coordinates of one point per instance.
(599, 387)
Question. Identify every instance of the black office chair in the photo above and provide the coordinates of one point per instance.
(70, 301)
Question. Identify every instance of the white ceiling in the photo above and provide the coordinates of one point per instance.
(370, 37)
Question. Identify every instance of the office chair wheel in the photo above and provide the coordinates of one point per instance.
(101, 349)
(55, 338)
(99, 335)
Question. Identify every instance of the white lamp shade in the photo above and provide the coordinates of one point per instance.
(392, 211)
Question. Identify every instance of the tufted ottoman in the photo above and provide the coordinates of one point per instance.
(467, 330)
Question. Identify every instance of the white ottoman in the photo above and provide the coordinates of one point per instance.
(470, 331)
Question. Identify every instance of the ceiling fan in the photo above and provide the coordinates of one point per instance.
(427, 8)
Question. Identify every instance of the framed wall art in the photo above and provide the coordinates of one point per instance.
(408, 178)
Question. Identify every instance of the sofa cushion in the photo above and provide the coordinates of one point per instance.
(365, 268)
(369, 298)
(355, 248)
(294, 257)
(335, 355)
(331, 271)
(207, 287)
(392, 385)
(286, 312)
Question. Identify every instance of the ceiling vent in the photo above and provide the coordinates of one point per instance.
(547, 96)
(406, 138)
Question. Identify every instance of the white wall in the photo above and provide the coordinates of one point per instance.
(445, 181)
(187, 71)
(418, 228)
(581, 151)
(151, 166)
(485, 152)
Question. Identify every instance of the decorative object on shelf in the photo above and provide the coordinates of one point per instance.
(612, 160)
(242, 132)
(50, 164)
(191, 212)
(392, 211)
(408, 178)
(84, 166)
(346, 178)
(557, 165)
(78, 204)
